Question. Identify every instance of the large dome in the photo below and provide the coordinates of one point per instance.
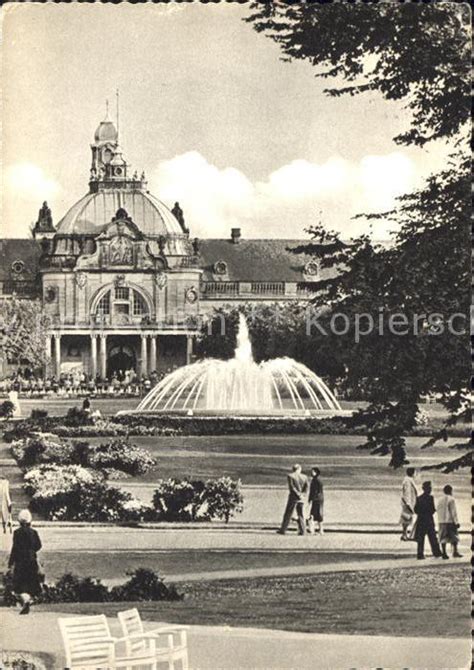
(94, 211)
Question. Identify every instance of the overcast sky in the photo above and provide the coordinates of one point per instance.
(208, 110)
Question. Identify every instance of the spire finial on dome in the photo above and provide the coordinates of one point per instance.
(107, 110)
(118, 109)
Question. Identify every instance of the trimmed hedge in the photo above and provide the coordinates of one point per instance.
(234, 425)
(163, 425)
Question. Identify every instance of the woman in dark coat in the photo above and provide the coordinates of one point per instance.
(316, 499)
(23, 560)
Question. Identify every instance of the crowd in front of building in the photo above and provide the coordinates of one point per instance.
(124, 383)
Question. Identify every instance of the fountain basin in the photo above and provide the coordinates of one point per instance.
(244, 413)
(240, 387)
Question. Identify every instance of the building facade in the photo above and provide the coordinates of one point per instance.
(120, 276)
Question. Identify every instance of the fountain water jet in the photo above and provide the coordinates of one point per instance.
(241, 386)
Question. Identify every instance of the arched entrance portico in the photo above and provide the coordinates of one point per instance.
(121, 358)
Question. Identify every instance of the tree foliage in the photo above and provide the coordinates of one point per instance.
(24, 330)
(276, 329)
(414, 298)
(418, 53)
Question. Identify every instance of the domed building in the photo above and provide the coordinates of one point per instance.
(120, 277)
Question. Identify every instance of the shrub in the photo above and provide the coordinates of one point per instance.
(120, 454)
(74, 493)
(42, 448)
(7, 409)
(9, 598)
(179, 500)
(186, 500)
(26, 427)
(144, 584)
(113, 458)
(39, 414)
(100, 428)
(223, 497)
(78, 417)
(22, 660)
(72, 589)
(104, 428)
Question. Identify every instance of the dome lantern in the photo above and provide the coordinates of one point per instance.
(106, 130)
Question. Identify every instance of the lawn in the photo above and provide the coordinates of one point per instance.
(58, 406)
(265, 459)
(115, 564)
(433, 602)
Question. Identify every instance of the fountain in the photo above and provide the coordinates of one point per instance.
(241, 386)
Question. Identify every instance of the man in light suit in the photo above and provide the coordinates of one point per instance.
(409, 496)
(298, 486)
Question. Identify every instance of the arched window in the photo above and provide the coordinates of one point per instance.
(103, 308)
(122, 302)
(139, 305)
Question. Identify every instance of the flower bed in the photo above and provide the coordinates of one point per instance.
(115, 457)
(75, 493)
(101, 428)
(42, 448)
(120, 455)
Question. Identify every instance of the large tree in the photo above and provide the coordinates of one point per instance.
(419, 54)
(414, 52)
(23, 330)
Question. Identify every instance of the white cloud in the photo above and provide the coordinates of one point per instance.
(289, 199)
(28, 181)
(383, 178)
(301, 179)
(213, 198)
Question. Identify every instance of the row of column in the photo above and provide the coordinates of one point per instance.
(148, 359)
(53, 353)
(101, 368)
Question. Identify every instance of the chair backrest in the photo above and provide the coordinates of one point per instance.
(131, 623)
(85, 644)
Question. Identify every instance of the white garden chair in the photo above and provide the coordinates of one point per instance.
(88, 645)
(134, 634)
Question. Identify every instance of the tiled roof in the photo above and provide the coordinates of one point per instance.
(26, 250)
(255, 260)
(248, 260)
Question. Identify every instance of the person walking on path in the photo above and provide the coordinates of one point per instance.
(448, 522)
(298, 486)
(316, 500)
(425, 509)
(409, 496)
(23, 560)
(5, 503)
